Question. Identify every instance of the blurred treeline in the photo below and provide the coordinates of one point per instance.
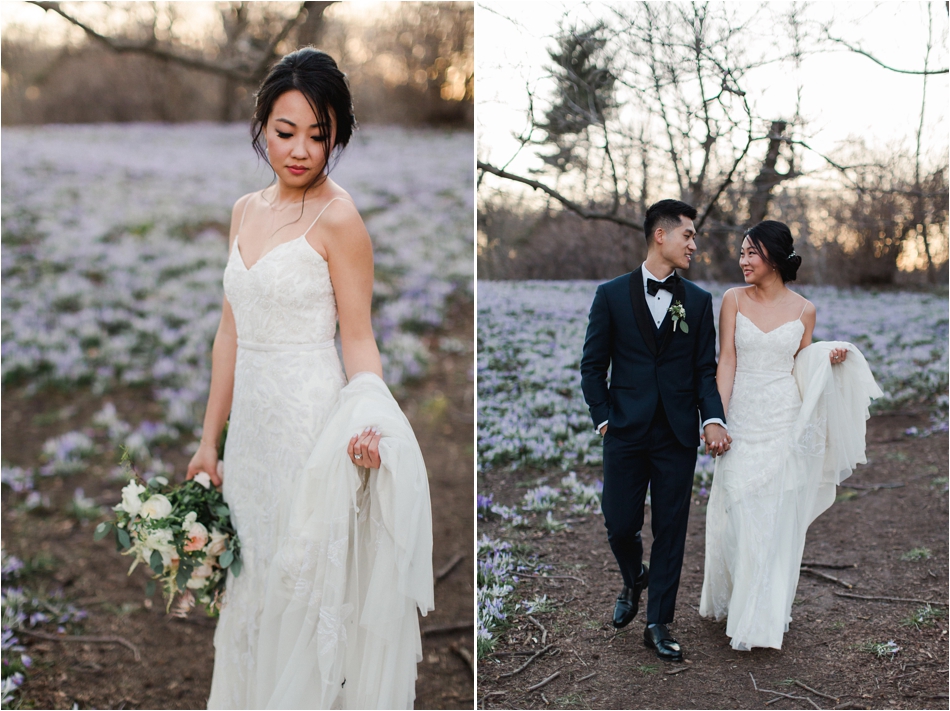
(657, 100)
(409, 63)
(845, 237)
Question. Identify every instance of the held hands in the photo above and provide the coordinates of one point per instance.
(205, 460)
(838, 355)
(364, 448)
(716, 438)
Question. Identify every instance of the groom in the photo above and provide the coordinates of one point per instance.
(655, 332)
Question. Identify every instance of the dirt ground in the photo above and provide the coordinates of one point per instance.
(174, 671)
(825, 661)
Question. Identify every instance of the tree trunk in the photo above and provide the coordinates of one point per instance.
(768, 177)
(311, 31)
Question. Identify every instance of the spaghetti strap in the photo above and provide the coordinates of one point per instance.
(243, 213)
(736, 295)
(803, 309)
(332, 200)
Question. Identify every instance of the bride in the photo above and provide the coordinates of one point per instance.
(335, 527)
(796, 413)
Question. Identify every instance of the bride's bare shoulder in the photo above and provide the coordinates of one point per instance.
(808, 308)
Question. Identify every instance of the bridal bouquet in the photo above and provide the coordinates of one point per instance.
(183, 533)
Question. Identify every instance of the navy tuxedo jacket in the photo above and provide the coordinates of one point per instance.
(648, 365)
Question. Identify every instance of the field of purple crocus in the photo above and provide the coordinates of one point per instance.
(113, 250)
(532, 416)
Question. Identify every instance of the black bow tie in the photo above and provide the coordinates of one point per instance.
(654, 286)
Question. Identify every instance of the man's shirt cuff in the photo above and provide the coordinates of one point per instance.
(715, 421)
(601, 426)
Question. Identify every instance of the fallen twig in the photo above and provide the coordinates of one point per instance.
(677, 671)
(544, 682)
(816, 693)
(579, 658)
(84, 638)
(511, 654)
(891, 599)
(449, 567)
(832, 566)
(585, 678)
(446, 629)
(464, 654)
(779, 693)
(491, 693)
(544, 632)
(568, 577)
(873, 487)
(825, 576)
(525, 665)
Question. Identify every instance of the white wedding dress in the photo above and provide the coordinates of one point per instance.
(795, 436)
(335, 559)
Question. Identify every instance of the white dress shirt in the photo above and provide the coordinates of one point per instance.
(659, 304)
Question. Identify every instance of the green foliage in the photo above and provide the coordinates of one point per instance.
(584, 93)
(917, 554)
(924, 617)
(881, 650)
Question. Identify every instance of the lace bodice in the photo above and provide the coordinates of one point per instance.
(767, 351)
(285, 298)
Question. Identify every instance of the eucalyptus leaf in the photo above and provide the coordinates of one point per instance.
(156, 564)
(122, 537)
(684, 327)
(150, 588)
(101, 530)
(226, 558)
(181, 579)
(236, 566)
(223, 511)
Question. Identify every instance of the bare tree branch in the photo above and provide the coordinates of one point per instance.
(858, 50)
(570, 204)
(236, 71)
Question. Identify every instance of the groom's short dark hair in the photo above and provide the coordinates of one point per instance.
(665, 213)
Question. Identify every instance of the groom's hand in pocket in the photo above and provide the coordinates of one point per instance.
(716, 438)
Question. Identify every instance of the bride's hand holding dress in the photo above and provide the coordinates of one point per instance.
(798, 421)
(335, 529)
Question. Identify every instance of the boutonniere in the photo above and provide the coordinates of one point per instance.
(679, 317)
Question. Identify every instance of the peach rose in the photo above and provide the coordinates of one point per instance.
(197, 537)
(218, 544)
(199, 577)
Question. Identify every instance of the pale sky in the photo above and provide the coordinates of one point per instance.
(844, 93)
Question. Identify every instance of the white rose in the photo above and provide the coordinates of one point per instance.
(189, 520)
(162, 541)
(218, 544)
(157, 506)
(131, 503)
(204, 479)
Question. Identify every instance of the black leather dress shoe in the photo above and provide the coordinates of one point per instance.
(658, 638)
(628, 601)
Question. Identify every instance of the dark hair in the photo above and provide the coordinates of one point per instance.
(665, 213)
(315, 75)
(774, 243)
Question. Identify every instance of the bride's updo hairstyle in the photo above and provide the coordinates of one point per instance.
(315, 75)
(774, 243)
